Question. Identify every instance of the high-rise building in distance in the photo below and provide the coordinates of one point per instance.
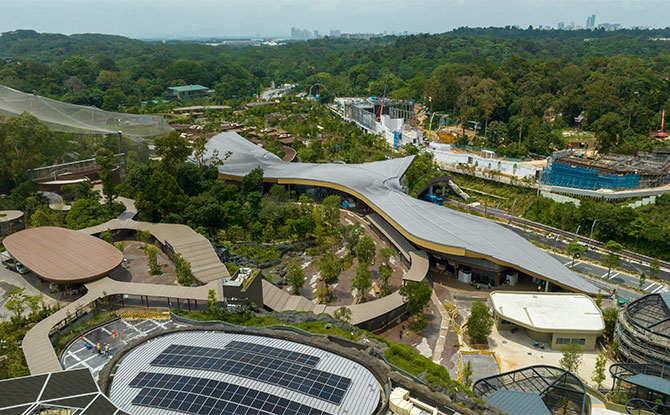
(591, 21)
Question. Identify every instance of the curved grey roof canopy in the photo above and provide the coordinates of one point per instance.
(427, 225)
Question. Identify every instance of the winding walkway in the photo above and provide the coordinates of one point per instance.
(37, 348)
(444, 328)
(279, 300)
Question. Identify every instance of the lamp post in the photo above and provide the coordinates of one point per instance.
(594, 224)
(430, 125)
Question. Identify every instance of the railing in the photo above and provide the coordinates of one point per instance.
(637, 406)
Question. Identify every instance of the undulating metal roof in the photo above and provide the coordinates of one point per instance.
(425, 224)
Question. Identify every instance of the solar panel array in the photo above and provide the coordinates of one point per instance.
(275, 352)
(287, 374)
(201, 396)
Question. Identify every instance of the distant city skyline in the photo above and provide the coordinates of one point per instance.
(274, 18)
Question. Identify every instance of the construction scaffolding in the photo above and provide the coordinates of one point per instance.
(643, 330)
(608, 171)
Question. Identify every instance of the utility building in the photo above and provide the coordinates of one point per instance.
(553, 318)
(188, 92)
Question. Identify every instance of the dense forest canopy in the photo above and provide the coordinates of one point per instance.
(523, 86)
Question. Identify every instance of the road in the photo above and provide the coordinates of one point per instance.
(633, 266)
(601, 279)
(587, 264)
(631, 261)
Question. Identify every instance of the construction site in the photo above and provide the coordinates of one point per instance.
(395, 120)
(608, 171)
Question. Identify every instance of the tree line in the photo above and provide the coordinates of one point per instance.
(522, 86)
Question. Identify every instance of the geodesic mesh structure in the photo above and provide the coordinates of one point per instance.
(561, 392)
(71, 118)
(643, 330)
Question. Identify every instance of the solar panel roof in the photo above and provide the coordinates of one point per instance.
(202, 396)
(290, 375)
(69, 389)
(320, 381)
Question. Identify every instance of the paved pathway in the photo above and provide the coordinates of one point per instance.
(598, 407)
(116, 335)
(10, 280)
(444, 328)
(37, 347)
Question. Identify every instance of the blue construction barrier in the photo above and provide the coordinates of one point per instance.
(565, 175)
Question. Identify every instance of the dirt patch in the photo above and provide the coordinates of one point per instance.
(136, 268)
(417, 339)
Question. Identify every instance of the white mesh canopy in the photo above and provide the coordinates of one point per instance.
(71, 118)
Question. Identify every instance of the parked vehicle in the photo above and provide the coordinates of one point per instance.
(429, 197)
(13, 264)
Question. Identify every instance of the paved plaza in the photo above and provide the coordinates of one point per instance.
(83, 351)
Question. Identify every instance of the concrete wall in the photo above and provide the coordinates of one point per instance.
(253, 293)
(590, 340)
(444, 154)
(549, 338)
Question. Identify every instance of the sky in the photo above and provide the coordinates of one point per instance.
(226, 18)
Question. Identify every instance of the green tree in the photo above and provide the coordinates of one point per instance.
(105, 159)
(480, 322)
(385, 273)
(16, 302)
(362, 281)
(352, 234)
(296, 278)
(45, 216)
(343, 314)
(253, 181)
(152, 258)
(416, 296)
(572, 357)
(467, 374)
(642, 279)
(612, 257)
(610, 316)
(89, 212)
(654, 267)
(330, 268)
(203, 157)
(107, 236)
(142, 235)
(575, 250)
(183, 270)
(614, 350)
(599, 369)
(366, 250)
(211, 301)
(173, 149)
(599, 298)
(25, 139)
(161, 198)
